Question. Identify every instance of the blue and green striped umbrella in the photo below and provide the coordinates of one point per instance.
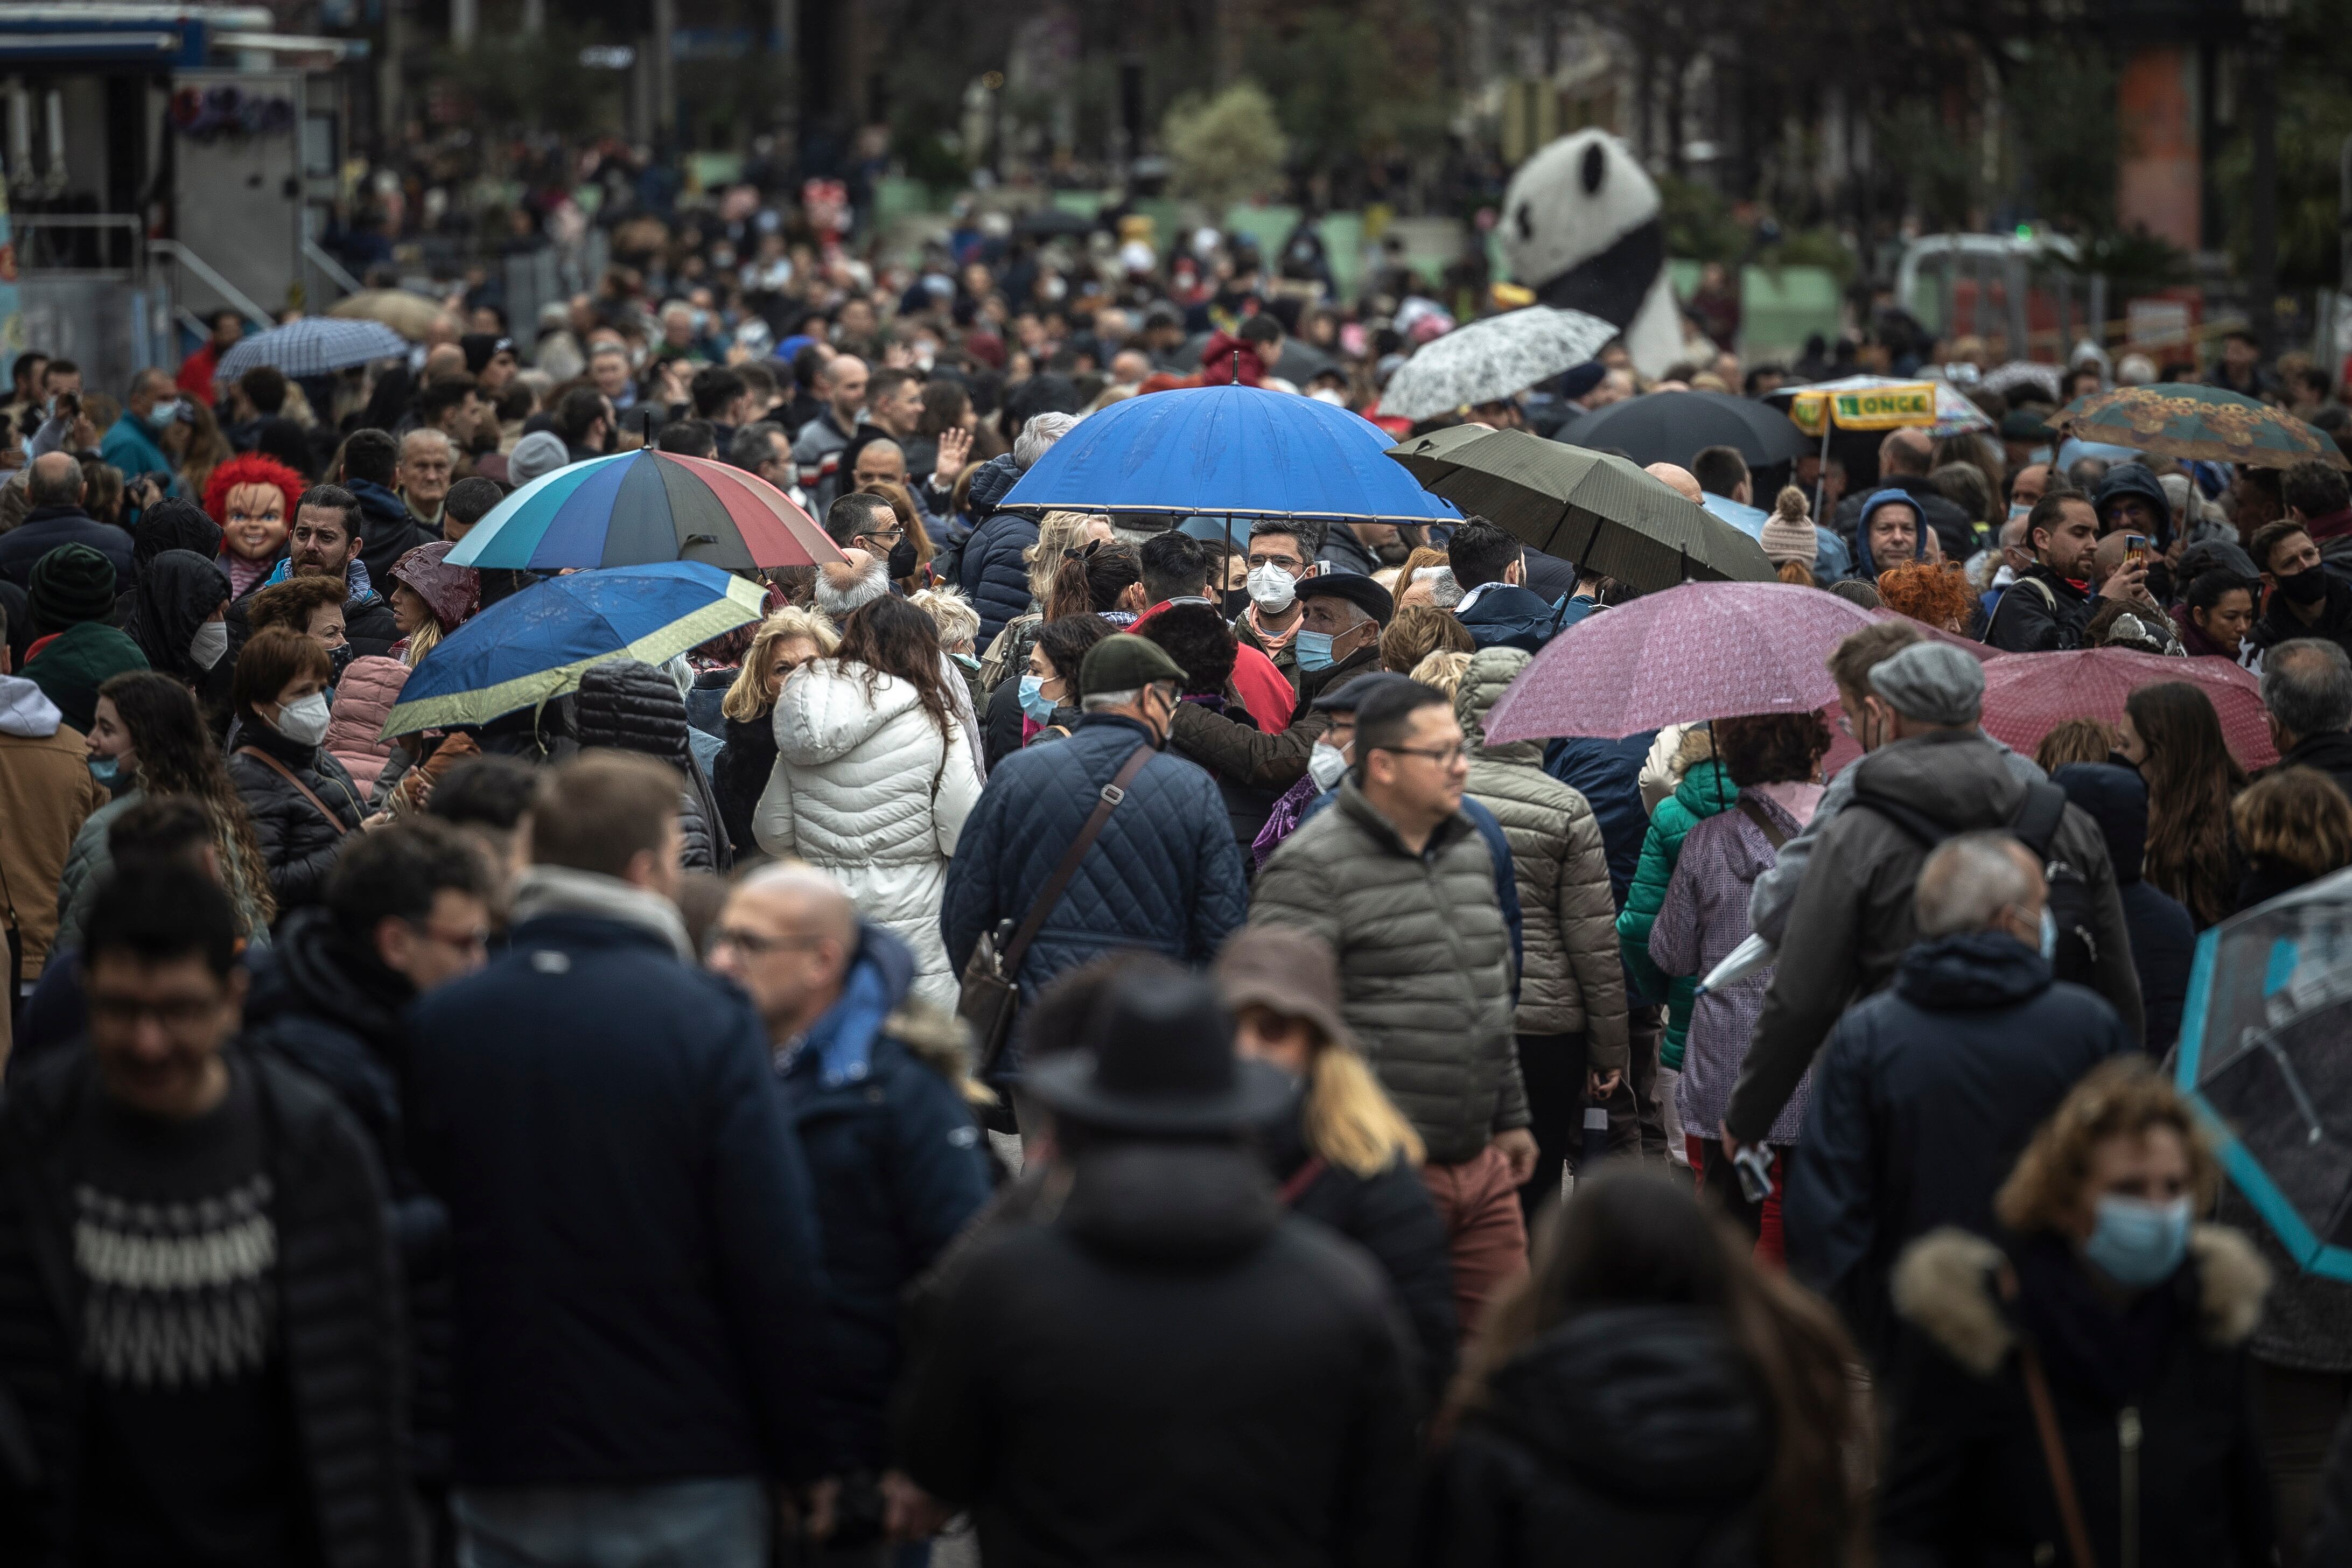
(536, 644)
(641, 507)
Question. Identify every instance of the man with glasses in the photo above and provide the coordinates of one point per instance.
(407, 911)
(873, 1081)
(1278, 560)
(1399, 879)
(200, 1322)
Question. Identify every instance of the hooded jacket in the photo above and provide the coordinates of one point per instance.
(1935, 511)
(2163, 936)
(866, 786)
(46, 795)
(1964, 1481)
(874, 1091)
(1166, 1280)
(1706, 790)
(1852, 919)
(336, 1014)
(992, 571)
(363, 700)
(630, 706)
(1570, 981)
(1703, 918)
(1425, 963)
(1623, 1436)
(176, 593)
(388, 529)
(298, 844)
(2134, 479)
(1508, 616)
(1923, 1098)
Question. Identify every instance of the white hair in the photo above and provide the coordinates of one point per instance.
(431, 432)
(951, 612)
(1094, 700)
(1444, 591)
(837, 602)
(1969, 880)
(1042, 431)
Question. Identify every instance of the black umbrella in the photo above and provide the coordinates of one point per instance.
(1670, 427)
(1600, 511)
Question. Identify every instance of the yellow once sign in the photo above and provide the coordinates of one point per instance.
(1879, 409)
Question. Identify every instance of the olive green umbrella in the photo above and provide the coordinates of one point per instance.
(1600, 511)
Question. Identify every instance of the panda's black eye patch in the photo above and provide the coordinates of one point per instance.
(1596, 168)
(1527, 221)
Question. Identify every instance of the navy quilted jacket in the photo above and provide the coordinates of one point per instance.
(1164, 875)
(994, 577)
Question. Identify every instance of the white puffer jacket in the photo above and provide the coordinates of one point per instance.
(865, 787)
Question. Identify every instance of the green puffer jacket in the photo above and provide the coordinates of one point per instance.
(1571, 981)
(1705, 791)
(1425, 963)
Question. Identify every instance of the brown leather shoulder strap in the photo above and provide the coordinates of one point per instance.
(1009, 960)
(2054, 1443)
(1749, 809)
(283, 771)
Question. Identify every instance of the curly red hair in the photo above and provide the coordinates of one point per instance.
(252, 469)
(1931, 590)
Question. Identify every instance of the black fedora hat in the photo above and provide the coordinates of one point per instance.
(1354, 586)
(1159, 1059)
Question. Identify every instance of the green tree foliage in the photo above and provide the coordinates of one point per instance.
(1225, 149)
(1345, 84)
(512, 79)
(2315, 116)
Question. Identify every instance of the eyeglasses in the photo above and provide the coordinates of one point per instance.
(885, 535)
(1443, 756)
(1290, 563)
(756, 946)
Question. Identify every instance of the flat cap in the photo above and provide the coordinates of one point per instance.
(1123, 662)
(1932, 683)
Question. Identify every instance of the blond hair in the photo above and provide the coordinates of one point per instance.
(951, 612)
(2122, 1098)
(748, 698)
(1057, 533)
(1350, 1118)
(1443, 670)
(421, 640)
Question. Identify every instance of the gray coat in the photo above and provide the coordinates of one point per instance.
(1425, 963)
(1852, 919)
(1571, 981)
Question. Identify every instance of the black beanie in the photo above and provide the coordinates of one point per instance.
(70, 584)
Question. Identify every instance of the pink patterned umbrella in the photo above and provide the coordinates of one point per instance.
(1844, 750)
(1701, 650)
(2028, 694)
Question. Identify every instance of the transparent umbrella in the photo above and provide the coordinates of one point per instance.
(2262, 1051)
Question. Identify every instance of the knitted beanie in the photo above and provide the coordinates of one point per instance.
(70, 584)
(1788, 533)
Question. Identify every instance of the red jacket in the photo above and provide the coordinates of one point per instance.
(1229, 359)
(195, 377)
(1264, 692)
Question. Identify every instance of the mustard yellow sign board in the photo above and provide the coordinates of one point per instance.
(1881, 408)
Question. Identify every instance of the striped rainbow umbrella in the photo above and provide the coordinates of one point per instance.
(535, 645)
(641, 507)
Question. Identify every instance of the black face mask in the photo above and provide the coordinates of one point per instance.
(2306, 587)
(902, 559)
(340, 658)
(1235, 602)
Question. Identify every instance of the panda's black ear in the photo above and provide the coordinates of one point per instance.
(1596, 169)
(1526, 222)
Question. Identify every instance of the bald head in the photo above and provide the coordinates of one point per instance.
(1679, 479)
(1910, 451)
(1977, 883)
(55, 480)
(787, 935)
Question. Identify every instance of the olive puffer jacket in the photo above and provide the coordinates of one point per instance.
(1571, 983)
(1425, 963)
(1706, 790)
(298, 844)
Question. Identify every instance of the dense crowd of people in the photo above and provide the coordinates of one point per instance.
(1067, 1037)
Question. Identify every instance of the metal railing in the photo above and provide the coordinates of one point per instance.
(205, 272)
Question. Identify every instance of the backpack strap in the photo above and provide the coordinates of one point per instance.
(1762, 818)
(2037, 817)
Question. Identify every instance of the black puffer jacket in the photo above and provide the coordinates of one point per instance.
(630, 706)
(1627, 1435)
(337, 1015)
(745, 760)
(299, 846)
(341, 1329)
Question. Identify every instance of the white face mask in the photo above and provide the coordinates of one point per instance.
(1326, 764)
(304, 720)
(209, 644)
(1271, 588)
(164, 412)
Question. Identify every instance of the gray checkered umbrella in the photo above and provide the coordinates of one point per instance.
(312, 346)
(1488, 360)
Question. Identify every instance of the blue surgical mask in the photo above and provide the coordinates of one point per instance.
(1313, 648)
(2018, 511)
(1033, 700)
(964, 662)
(104, 769)
(2049, 933)
(2139, 1244)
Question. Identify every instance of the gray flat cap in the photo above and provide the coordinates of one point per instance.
(1932, 683)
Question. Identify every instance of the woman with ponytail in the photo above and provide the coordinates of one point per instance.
(1348, 1158)
(1104, 578)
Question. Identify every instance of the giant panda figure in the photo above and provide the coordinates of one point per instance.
(1582, 226)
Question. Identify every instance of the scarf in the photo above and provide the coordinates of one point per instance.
(561, 890)
(357, 584)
